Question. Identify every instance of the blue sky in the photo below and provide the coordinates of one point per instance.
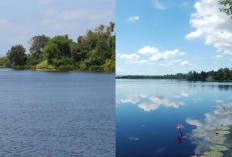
(20, 20)
(156, 37)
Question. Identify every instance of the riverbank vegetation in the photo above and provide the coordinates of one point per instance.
(221, 75)
(94, 52)
(4, 62)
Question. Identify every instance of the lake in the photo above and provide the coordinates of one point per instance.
(57, 114)
(149, 111)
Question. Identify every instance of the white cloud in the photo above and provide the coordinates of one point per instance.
(185, 63)
(147, 50)
(138, 61)
(213, 26)
(143, 61)
(158, 5)
(134, 18)
(132, 56)
(45, 2)
(218, 56)
(166, 55)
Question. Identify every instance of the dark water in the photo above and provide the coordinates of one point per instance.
(57, 114)
(148, 111)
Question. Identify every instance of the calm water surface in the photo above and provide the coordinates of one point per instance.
(56, 114)
(148, 111)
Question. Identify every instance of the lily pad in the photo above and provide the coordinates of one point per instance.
(220, 141)
(198, 130)
(213, 154)
(222, 132)
(210, 128)
(217, 139)
(218, 148)
(223, 128)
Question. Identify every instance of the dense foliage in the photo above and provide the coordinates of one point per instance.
(219, 75)
(37, 44)
(4, 62)
(17, 55)
(94, 52)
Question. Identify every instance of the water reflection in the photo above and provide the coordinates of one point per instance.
(214, 85)
(212, 130)
(153, 103)
(156, 102)
(148, 111)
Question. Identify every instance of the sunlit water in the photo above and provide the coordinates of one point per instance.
(46, 114)
(148, 111)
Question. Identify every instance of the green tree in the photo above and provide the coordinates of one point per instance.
(57, 49)
(17, 55)
(4, 62)
(37, 44)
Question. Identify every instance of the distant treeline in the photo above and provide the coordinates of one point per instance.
(219, 75)
(93, 52)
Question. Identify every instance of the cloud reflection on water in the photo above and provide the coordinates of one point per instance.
(156, 102)
(151, 103)
(207, 127)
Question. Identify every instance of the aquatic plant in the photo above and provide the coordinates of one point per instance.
(210, 128)
(179, 126)
(213, 154)
(222, 132)
(218, 148)
(223, 128)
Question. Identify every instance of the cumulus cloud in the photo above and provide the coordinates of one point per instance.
(129, 56)
(166, 55)
(158, 5)
(213, 26)
(134, 18)
(147, 50)
(143, 61)
(138, 61)
(185, 63)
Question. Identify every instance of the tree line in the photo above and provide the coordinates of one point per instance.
(221, 75)
(94, 51)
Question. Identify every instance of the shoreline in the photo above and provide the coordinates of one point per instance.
(55, 70)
